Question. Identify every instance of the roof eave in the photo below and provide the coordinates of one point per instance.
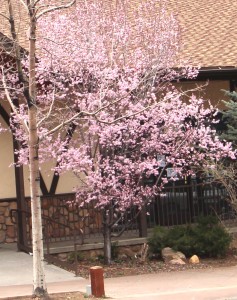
(217, 73)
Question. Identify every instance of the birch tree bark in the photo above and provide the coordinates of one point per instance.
(39, 284)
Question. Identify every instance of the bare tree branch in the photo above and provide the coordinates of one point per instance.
(226, 175)
(11, 102)
(49, 112)
(24, 4)
(55, 8)
(125, 116)
(4, 16)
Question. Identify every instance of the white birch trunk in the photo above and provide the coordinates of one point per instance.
(39, 284)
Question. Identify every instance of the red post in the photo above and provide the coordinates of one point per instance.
(97, 281)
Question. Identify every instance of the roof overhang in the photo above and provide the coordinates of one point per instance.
(7, 46)
(225, 73)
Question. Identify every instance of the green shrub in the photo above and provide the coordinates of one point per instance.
(211, 238)
(207, 238)
(158, 240)
(180, 238)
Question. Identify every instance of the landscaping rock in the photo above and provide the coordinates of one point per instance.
(127, 251)
(62, 256)
(177, 261)
(122, 257)
(171, 256)
(194, 260)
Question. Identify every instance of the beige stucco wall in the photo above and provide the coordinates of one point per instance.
(66, 182)
(7, 175)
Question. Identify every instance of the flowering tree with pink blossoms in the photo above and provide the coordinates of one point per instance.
(128, 110)
(121, 64)
(103, 69)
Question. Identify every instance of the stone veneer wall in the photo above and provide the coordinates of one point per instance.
(56, 207)
(65, 219)
(8, 230)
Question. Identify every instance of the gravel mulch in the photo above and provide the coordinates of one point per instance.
(135, 267)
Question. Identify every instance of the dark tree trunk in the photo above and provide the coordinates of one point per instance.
(107, 237)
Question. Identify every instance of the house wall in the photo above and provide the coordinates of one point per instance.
(8, 201)
(7, 175)
(211, 90)
(66, 183)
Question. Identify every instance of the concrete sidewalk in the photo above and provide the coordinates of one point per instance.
(207, 284)
(16, 273)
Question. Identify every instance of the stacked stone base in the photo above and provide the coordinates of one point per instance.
(123, 253)
(8, 231)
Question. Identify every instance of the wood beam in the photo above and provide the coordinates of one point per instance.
(55, 179)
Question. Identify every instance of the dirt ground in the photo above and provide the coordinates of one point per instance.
(135, 267)
(58, 296)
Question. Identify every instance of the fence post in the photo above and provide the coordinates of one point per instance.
(143, 223)
(97, 281)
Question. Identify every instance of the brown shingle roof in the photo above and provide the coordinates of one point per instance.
(209, 32)
(20, 17)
